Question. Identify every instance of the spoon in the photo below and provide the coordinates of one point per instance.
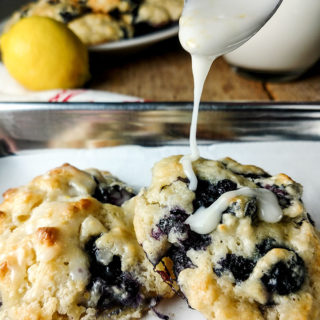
(216, 27)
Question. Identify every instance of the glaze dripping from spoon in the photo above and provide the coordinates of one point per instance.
(209, 29)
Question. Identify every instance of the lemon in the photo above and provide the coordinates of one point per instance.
(43, 54)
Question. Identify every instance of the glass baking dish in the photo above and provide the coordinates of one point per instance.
(286, 137)
(25, 126)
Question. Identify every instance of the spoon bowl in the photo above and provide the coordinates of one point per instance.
(216, 27)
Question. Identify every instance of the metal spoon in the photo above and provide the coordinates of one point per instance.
(216, 27)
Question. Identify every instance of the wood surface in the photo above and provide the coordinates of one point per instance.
(163, 73)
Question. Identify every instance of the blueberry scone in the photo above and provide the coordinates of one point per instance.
(241, 246)
(68, 250)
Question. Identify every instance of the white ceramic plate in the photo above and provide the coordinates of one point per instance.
(138, 42)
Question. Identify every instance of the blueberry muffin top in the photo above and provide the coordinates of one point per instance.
(68, 250)
(241, 267)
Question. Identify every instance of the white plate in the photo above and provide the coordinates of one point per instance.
(129, 45)
(137, 42)
(133, 164)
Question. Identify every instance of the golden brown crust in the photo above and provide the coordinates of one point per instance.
(47, 235)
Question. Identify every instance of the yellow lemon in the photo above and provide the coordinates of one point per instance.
(43, 54)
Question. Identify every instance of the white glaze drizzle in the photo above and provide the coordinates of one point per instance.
(205, 220)
(200, 69)
(208, 29)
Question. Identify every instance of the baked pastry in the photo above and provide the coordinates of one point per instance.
(101, 21)
(68, 250)
(159, 12)
(252, 254)
(97, 28)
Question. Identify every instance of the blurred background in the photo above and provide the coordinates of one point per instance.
(8, 6)
(161, 71)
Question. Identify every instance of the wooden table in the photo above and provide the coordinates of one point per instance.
(163, 73)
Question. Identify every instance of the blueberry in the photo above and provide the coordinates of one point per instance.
(239, 266)
(156, 233)
(266, 245)
(127, 291)
(178, 255)
(281, 194)
(251, 209)
(66, 16)
(124, 293)
(196, 241)
(285, 277)
(115, 194)
(108, 272)
(175, 221)
(225, 186)
(187, 239)
(254, 176)
(207, 193)
(115, 288)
